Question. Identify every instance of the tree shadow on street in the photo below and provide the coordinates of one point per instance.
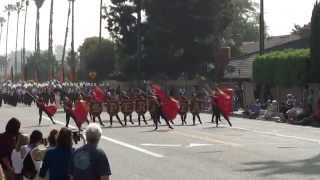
(309, 166)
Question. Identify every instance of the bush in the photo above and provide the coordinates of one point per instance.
(284, 68)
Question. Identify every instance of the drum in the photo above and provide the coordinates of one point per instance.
(112, 107)
(141, 106)
(95, 109)
(127, 107)
(184, 105)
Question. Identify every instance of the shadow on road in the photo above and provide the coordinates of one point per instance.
(304, 167)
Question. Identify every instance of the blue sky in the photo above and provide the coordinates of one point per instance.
(281, 15)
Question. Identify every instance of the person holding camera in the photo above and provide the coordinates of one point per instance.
(90, 162)
(56, 160)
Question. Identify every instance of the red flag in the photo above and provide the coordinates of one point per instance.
(98, 94)
(81, 112)
(169, 106)
(50, 110)
(158, 92)
(224, 103)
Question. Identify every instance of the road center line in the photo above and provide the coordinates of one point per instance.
(119, 142)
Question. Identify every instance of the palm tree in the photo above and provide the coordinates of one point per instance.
(2, 20)
(23, 62)
(39, 4)
(18, 7)
(73, 58)
(65, 42)
(8, 8)
(50, 50)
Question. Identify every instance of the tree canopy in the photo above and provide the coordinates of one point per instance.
(95, 58)
(314, 63)
(177, 35)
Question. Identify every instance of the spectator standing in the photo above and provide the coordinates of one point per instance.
(52, 139)
(57, 160)
(1, 173)
(90, 162)
(17, 156)
(34, 153)
(7, 143)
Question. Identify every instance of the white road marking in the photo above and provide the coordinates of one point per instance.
(119, 143)
(198, 145)
(317, 141)
(162, 145)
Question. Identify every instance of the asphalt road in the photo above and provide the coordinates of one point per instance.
(252, 149)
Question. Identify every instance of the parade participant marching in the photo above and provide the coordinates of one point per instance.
(67, 106)
(215, 110)
(167, 107)
(158, 114)
(43, 108)
(223, 104)
(153, 107)
(195, 108)
(113, 110)
(96, 110)
(141, 108)
(184, 107)
(127, 108)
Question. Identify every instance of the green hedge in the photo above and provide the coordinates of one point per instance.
(284, 68)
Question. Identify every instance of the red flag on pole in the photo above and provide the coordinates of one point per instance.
(81, 112)
(224, 102)
(50, 110)
(98, 94)
(169, 106)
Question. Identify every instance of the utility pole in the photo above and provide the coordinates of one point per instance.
(262, 27)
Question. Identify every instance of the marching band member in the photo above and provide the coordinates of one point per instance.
(127, 107)
(184, 107)
(113, 110)
(41, 105)
(195, 108)
(67, 106)
(141, 108)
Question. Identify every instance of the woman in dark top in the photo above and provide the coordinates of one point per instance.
(56, 160)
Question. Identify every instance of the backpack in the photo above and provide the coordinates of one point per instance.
(29, 169)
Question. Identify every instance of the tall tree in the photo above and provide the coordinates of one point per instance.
(23, 62)
(65, 42)
(50, 46)
(314, 63)
(244, 26)
(19, 7)
(182, 36)
(97, 57)
(73, 54)
(8, 8)
(2, 21)
(177, 36)
(39, 4)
